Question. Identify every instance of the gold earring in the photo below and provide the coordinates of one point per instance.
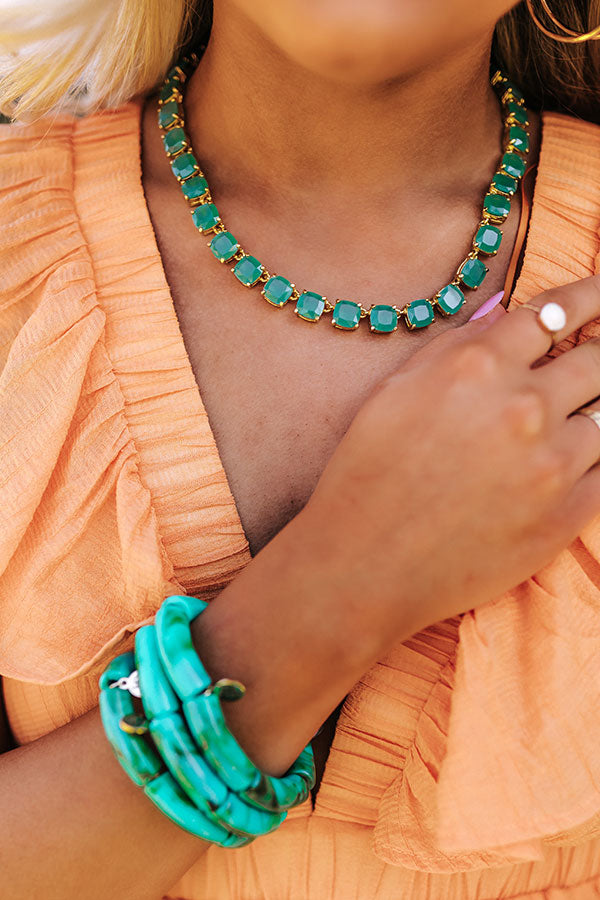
(569, 36)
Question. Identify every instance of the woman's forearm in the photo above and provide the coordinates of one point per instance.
(298, 632)
(73, 825)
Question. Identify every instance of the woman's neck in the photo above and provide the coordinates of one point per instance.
(261, 123)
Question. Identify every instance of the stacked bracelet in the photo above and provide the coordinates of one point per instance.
(181, 752)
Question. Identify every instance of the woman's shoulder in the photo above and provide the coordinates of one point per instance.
(42, 164)
(52, 172)
(570, 152)
(81, 558)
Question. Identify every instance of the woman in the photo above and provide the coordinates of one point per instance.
(341, 500)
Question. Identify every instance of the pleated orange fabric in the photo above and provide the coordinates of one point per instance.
(466, 763)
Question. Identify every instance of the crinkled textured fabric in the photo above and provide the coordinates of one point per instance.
(466, 763)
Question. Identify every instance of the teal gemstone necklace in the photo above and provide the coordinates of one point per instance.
(309, 305)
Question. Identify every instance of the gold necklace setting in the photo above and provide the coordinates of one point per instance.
(310, 306)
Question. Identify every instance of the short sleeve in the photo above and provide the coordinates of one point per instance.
(82, 565)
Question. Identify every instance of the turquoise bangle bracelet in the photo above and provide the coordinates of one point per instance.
(182, 756)
(136, 757)
(202, 709)
(180, 659)
(145, 767)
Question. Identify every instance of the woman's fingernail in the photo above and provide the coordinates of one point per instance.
(487, 306)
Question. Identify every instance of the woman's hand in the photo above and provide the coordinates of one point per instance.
(464, 472)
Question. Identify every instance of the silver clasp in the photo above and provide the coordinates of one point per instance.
(129, 683)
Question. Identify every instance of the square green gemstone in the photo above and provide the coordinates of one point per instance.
(174, 140)
(518, 138)
(383, 318)
(277, 290)
(206, 216)
(472, 272)
(309, 306)
(224, 246)
(184, 166)
(170, 86)
(517, 112)
(248, 270)
(419, 313)
(450, 299)
(346, 314)
(513, 164)
(506, 184)
(488, 239)
(168, 114)
(195, 188)
(496, 205)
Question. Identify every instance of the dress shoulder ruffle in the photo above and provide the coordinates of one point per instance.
(109, 470)
(505, 757)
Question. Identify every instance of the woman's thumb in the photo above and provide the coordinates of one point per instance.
(493, 305)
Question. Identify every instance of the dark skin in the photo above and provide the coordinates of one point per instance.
(270, 382)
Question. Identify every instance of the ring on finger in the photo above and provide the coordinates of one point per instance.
(551, 317)
(593, 414)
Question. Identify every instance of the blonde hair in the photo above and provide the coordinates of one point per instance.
(81, 55)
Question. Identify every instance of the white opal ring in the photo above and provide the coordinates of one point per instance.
(551, 317)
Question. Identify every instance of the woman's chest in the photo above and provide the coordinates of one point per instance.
(279, 392)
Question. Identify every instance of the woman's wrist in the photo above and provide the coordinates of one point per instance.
(293, 632)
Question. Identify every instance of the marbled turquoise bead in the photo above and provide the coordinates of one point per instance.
(202, 785)
(178, 654)
(135, 756)
(207, 724)
(172, 800)
(158, 697)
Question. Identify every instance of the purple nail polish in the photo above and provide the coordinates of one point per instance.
(487, 306)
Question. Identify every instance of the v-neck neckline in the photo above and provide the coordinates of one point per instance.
(137, 109)
(194, 527)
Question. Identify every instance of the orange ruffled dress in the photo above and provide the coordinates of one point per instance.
(466, 764)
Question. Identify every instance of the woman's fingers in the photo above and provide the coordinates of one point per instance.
(521, 335)
(582, 440)
(582, 504)
(572, 379)
(454, 336)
